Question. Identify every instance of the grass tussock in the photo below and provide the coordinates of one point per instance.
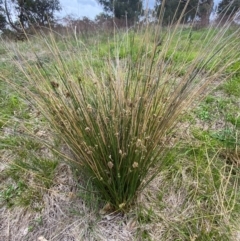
(115, 108)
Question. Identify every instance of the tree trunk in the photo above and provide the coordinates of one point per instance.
(10, 22)
(205, 11)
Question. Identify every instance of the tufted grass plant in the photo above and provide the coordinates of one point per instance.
(116, 110)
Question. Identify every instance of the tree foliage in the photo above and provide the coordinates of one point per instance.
(228, 8)
(3, 21)
(29, 12)
(193, 8)
(122, 8)
(174, 8)
(36, 11)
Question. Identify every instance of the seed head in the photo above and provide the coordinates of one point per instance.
(110, 165)
(89, 108)
(138, 143)
(89, 152)
(87, 129)
(135, 165)
(54, 84)
(67, 94)
(122, 205)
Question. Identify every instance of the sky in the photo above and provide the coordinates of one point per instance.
(88, 8)
(80, 8)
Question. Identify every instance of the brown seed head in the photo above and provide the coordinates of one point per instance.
(87, 129)
(54, 84)
(135, 165)
(110, 165)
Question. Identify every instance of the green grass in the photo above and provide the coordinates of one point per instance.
(28, 174)
(231, 87)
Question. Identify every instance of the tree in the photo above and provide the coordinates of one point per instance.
(205, 9)
(40, 12)
(195, 8)
(102, 17)
(174, 8)
(3, 21)
(228, 8)
(122, 8)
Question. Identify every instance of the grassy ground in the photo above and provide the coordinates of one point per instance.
(194, 197)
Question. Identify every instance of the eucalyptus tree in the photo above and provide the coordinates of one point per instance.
(130, 9)
(194, 9)
(204, 12)
(228, 8)
(29, 12)
(3, 21)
